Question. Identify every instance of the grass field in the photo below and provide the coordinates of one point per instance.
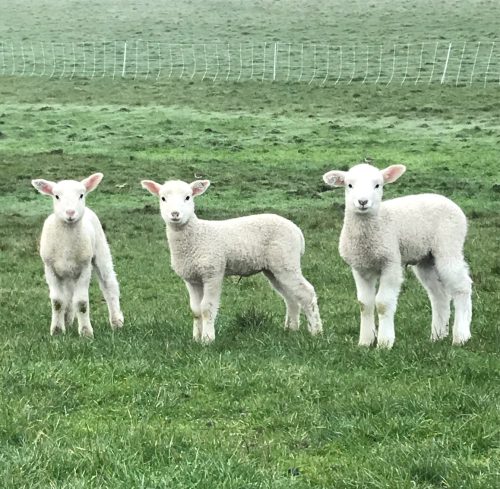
(260, 408)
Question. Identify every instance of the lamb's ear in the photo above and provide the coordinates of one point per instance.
(199, 186)
(151, 186)
(392, 173)
(335, 178)
(92, 182)
(43, 186)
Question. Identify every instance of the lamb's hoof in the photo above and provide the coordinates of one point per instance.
(435, 338)
(117, 321)
(438, 336)
(366, 342)
(57, 330)
(316, 331)
(385, 343)
(292, 327)
(86, 332)
(461, 340)
(206, 340)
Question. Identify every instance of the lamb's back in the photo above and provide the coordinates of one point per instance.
(424, 224)
(238, 246)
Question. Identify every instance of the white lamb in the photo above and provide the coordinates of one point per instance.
(72, 241)
(379, 238)
(203, 252)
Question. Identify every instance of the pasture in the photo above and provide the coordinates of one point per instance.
(146, 407)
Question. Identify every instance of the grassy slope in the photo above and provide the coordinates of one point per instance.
(260, 408)
(146, 407)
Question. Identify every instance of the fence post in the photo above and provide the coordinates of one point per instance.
(275, 60)
(446, 64)
(124, 65)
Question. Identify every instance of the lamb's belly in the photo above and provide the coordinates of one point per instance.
(369, 262)
(69, 269)
(245, 267)
(191, 271)
(241, 271)
(68, 264)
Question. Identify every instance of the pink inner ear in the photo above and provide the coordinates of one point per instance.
(92, 181)
(199, 187)
(393, 173)
(153, 187)
(46, 188)
(334, 178)
(43, 186)
(198, 190)
(339, 180)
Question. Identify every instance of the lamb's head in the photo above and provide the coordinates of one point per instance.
(176, 198)
(363, 185)
(68, 195)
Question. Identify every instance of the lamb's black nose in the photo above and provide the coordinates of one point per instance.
(174, 214)
(362, 202)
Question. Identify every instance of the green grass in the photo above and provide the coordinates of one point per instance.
(147, 407)
(260, 408)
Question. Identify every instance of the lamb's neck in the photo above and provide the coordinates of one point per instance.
(178, 235)
(361, 226)
(69, 227)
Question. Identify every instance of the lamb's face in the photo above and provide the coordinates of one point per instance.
(68, 195)
(363, 185)
(363, 189)
(69, 200)
(176, 202)
(176, 198)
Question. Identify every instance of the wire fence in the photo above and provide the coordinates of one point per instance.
(444, 62)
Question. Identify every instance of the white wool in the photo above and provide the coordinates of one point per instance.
(379, 238)
(72, 243)
(203, 252)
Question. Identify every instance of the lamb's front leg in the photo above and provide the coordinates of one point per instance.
(195, 297)
(81, 303)
(209, 306)
(365, 287)
(57, 300)
(386, 303)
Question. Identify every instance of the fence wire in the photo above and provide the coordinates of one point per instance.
(428, 62)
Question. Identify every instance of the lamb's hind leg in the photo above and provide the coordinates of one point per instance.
(57, 300)
(69, 310)
(108, 284)
(440, 299)
(292, 319)
(454, 274)
(302, 292)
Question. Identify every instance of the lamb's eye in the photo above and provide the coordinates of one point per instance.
(57, 197)
(350, 185)
(81, 196)
(188, 197)
(377, 186)
(164, 199)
